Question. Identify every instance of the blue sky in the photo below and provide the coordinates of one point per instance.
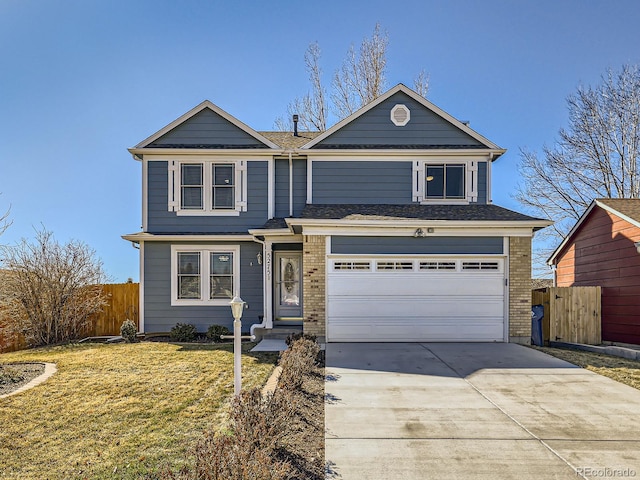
(81, 81)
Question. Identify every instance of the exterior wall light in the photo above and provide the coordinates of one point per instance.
(638, 246)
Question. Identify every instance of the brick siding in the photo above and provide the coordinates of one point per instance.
(313, 284)
(520, 289)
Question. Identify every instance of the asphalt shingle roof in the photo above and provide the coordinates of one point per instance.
(626, 206)
(275, 223)
(471, 212)
(287, 140)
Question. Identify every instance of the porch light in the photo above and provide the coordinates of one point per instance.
(638, 246)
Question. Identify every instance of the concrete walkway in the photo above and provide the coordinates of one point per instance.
(474, 411)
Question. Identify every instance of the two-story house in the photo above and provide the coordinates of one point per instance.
(379, 229)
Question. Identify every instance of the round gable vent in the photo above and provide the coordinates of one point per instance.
(400, 115)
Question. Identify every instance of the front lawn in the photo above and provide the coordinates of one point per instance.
(118, 411)
(620, 369)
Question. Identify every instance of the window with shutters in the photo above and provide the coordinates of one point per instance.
(454, 181)
(214, 187)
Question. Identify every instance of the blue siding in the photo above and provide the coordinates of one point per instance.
(482, 182)
(416, 246)
(207, 128)
(376, 128)
(362, 182)
(160, 316)
(299, 186)
(282, 187)
(160, 220)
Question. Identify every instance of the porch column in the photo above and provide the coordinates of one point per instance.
(313, 284)
(520, 290)
(268, 284)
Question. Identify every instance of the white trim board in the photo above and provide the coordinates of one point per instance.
(418, 98)
(197, 109)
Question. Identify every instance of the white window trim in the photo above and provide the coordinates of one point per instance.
(205, 264)
(240, 180)
(419, 180)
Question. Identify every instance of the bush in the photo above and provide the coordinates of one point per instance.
(298, 336)
(249, 448)
(214, 332)
(183, 332)
(297, 362)
(256, 439)
(128, 331)
(50, 291)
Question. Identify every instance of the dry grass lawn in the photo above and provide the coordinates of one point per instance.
(620, 369)
(118, 411)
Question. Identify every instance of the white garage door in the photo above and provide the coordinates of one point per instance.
(435, 300)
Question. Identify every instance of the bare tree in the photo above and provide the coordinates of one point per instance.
(596, 156)
(361, 79)
(5, 221)
(362, 76)
(49, 291)
(312, 108)
(421, 83)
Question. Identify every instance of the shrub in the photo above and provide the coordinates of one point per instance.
(298, 336)
(50, 291)
(249, 448)
(128, 331)
(297, 362)
(183, 332)
(214, 332)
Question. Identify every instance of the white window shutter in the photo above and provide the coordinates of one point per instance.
(472, 181)
(418, 181)
(173, 191)
(241, 185)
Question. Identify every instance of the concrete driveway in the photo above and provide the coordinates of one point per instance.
(464, 411)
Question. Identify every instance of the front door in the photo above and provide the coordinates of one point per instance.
(288, 287)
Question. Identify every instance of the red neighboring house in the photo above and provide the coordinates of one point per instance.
(603, 248)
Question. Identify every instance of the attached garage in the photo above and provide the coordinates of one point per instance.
(390, 299)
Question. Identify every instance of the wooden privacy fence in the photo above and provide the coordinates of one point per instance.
(123, 303)
(571, 314)
(123, 300)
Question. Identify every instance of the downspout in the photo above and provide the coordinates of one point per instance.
(488, 179)
(265, 304)
(290, 185)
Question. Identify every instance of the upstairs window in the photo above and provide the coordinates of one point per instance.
(191, 186)
(445, 181)
(223, 194)
(207, 188)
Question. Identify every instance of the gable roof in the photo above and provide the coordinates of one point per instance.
(626, 208)
(197, 110)
(400, 88)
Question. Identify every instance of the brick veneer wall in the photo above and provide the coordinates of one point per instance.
(313, 284)
(520, 289)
